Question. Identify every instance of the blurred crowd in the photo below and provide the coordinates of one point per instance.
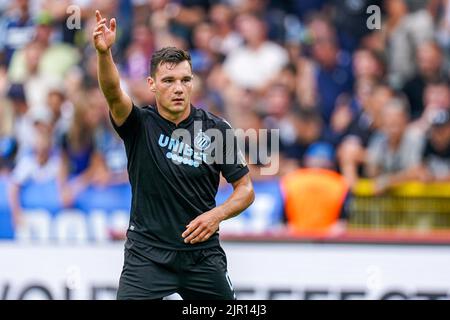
(350, 101)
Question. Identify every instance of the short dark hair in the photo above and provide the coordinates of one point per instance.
(170, 55)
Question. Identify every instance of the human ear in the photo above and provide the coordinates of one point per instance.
(152, 84)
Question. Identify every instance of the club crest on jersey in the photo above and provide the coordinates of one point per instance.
(202, 141)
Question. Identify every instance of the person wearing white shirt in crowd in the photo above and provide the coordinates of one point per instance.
(39, 166)
(253, 65)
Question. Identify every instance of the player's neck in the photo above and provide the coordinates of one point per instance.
(177, 117)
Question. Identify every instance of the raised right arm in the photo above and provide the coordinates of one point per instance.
(119, 102)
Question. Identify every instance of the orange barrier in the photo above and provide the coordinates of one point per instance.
(313, 198)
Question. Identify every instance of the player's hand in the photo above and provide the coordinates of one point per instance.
(202, 227)
(103, 36)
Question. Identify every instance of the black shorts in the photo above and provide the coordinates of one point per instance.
(153, 273)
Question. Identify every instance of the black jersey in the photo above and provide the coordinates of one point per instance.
(172, 181)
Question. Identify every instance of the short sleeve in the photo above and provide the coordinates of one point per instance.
(131, 126)
(234, 166)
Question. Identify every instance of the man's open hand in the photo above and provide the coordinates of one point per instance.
(203, 227)
(103, 36)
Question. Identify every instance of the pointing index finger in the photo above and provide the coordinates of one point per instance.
(98, 15)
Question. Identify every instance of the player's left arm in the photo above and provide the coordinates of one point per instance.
(206, 224)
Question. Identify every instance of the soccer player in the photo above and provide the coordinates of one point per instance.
(172, 240)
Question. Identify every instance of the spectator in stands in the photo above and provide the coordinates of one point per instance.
(89, 70)
(395, 150)
(352, 150)
(308, 128)
(23, 129)
(65, 28)
(404, 30)
(347, 16)
(368, 64)
(171, 22)
(443, 26)
(253, 65)
(430, 68)
(333, 72)
(288, 78)
(273, 13)
(435, 164)
(257, 142)
(34, 82)
(204, 98)
(226, 39)
(368, 69)
(346, 108)
(203, 54)
(350, 107)
(112, 164)
(8, 143)
(41, 166)
(436, 96)
(306, 84)
(237, 100)
(42, 64)
(16, 30)
(135, 63)
(139, 53)
(303, 9)
(57, 58)
(8, 150)
(185, 15)
(314, 195)
(277, 105)
(60, 112)
(320, 154)
(80, 157)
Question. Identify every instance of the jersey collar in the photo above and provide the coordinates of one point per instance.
(183, 124)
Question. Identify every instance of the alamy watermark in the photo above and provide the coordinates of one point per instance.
(73, 21)
(374, 20)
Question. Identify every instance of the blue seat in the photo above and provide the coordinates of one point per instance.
(43, 195)
(112, 198)
(6, 227)
(265, 213)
